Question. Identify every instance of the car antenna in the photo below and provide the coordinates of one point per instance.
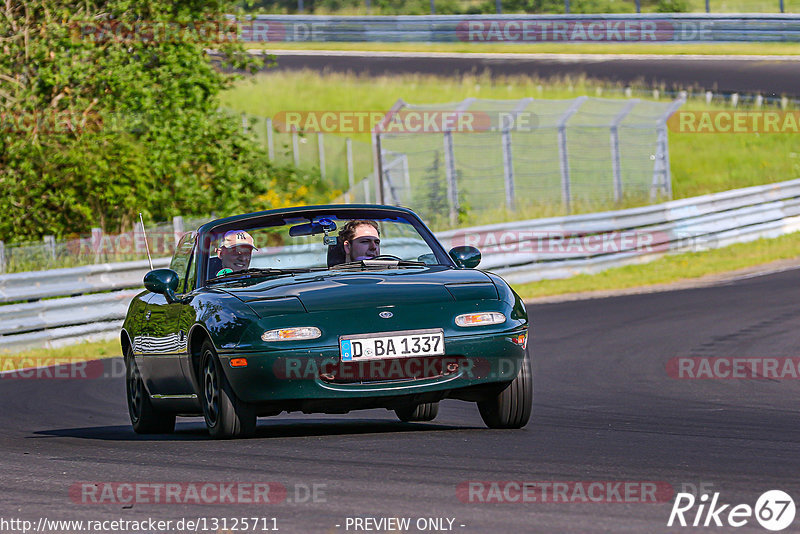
(146, 246)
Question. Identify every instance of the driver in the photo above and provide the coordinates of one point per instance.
(234, 251)
(361, 240)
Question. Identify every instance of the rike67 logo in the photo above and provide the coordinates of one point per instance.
(774, 510)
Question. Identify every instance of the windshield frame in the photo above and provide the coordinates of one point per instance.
(208, 233)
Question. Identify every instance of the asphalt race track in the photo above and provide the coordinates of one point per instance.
(605, 410)
(768, 76)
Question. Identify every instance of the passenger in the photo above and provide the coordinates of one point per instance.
(234, 252)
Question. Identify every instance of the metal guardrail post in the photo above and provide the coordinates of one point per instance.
(321, 153)
(563, 155)
(614, 141)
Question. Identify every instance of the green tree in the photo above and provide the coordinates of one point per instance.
(108, 108)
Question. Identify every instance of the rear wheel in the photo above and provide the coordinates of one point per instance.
(421, 412)
(226, 415)
(144, 417)
(511, 408)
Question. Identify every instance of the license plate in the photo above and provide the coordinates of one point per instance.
(392, 345)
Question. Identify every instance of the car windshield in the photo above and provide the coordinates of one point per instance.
(302, 242)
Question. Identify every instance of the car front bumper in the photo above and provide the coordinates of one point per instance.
(317, 373)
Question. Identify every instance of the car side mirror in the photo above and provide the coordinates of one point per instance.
(465, 256)
(163, 282)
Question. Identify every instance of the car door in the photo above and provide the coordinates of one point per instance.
(167, 329)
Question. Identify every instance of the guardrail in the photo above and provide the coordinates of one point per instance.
(521, 251)
(653, 27)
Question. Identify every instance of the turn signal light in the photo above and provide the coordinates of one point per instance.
(238, 362)
(521, 340)
(292, 334)
(480, 319)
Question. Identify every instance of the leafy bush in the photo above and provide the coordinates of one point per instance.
(96, 127)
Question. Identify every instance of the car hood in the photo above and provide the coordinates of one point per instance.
(346, 290)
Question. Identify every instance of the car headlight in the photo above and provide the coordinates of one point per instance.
(480, 319)
(292, 334)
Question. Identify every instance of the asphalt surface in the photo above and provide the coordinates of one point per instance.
(769, 77)
(605, 410)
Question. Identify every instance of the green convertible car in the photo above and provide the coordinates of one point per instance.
(322, 309)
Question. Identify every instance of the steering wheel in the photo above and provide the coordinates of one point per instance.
(386, 257)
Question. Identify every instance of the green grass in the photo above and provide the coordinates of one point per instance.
(671, 268)
(62, 355)
(783, 49)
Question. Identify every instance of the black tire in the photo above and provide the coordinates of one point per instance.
(511, 408)
(144, 417)
(226, 415)
(421, 412)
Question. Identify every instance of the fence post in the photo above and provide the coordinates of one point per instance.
(295, 148)
(50, 246)
(450, 174)
(97, 243)
(351, 179)
(615, 157)
(138, 237)
(377, 167)
(498, 6)
(781, 5)
(270, 144)
(508, 167)
(177, 228)
(661, 173)
(244, 123)
(2, 257)
(563, 155)
(321, 151)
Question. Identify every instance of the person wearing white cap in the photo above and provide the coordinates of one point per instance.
(234, 251)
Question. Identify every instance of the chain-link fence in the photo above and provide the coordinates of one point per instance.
(99, 247)
(482, 155)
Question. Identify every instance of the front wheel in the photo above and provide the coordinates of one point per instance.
(421, 412)
(144, 417)
(226, 415)
(511, 408)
